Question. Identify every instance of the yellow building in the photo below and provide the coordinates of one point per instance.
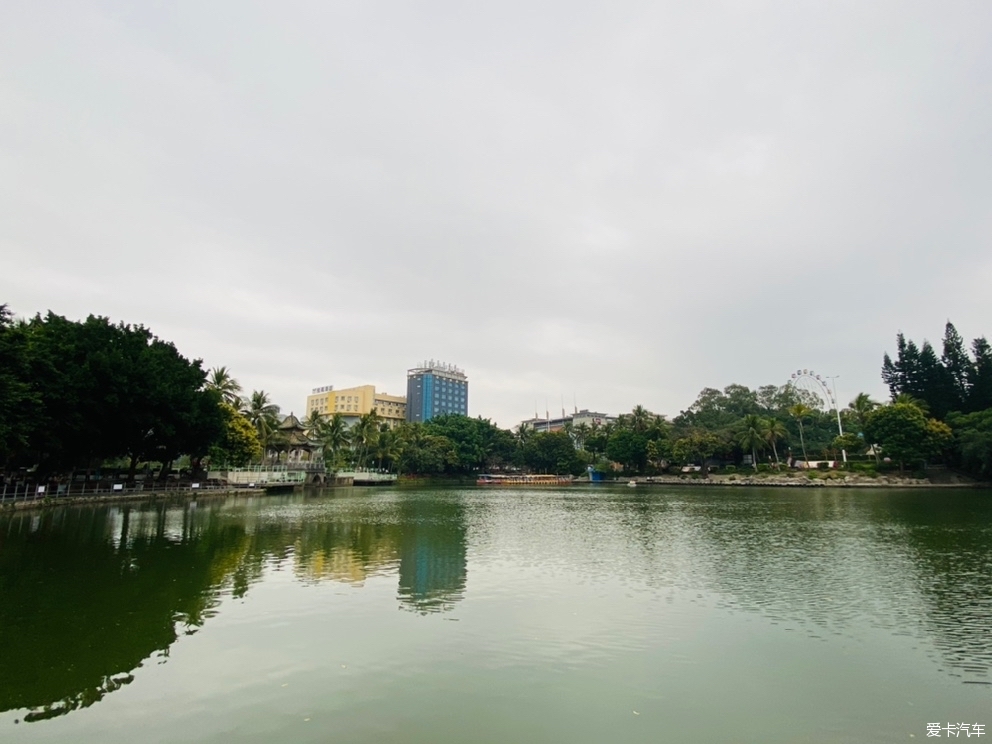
(357, 401)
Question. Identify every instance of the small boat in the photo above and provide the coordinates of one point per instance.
(488, 479)
(632, 484)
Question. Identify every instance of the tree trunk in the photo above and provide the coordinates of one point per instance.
(132, 469)
(125, 523)
(802, 441)
(775, 450)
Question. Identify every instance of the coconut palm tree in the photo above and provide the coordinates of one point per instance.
(387, 450)
(580, 433)
(774, 431)
(264, 416)
(364, 435)
(639, 419)
(752, 436)
(858, 409)
(334, 437)
(912, 401)
(219, 379)
(569, 428)
(314, 423)
(799, 412)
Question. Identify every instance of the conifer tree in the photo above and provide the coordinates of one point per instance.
(980, 384)
(959, 369)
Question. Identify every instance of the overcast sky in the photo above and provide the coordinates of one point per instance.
(616, 203)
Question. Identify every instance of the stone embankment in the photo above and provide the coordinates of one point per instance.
(829, 480)
(117, 498)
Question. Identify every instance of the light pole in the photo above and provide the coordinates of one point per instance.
(840, 426)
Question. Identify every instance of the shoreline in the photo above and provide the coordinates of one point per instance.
(116, 498)
(721, 481)
(848, 481)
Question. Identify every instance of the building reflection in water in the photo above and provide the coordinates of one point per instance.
(423, 541)
(433, 563)
(88, 594)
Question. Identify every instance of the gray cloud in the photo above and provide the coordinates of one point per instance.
(624, 202)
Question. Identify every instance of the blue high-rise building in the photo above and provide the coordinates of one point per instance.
(434, 389)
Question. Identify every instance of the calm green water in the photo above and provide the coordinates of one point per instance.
(470, 615)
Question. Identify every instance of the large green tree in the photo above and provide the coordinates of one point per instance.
(695, 448)
(109, 390)
(422, 453)
(19, 401)
(480, 444)
(238, 445)
(973, 437)
(552, 452)
(629, 448)
(906, 435)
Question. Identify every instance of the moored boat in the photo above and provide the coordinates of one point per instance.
(488, 479)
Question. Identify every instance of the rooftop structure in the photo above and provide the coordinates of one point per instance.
(578, 418)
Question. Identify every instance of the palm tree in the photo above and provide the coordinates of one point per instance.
(774, 431)
(799, 412)
(752, 436)
(569, 428)
(580, 433)
(908, 399)
(334, 437)
(220, 379)
(264, 416)
(639, 419)
(364, 435)
(387, 449)
(859, 408)
(314, 423)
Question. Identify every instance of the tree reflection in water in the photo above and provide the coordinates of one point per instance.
(89, 594)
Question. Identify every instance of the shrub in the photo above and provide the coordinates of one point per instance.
(730, 469)
(764, 467)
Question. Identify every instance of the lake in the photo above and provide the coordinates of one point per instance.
(582, 614)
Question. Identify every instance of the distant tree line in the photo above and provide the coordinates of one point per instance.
(84, 394)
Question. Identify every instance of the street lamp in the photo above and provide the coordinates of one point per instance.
(840, 426)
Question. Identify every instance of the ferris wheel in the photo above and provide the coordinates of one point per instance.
(807, 381)
(815, 386)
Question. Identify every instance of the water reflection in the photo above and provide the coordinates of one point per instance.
(433, 563)
(87, 595)
(833, 561)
